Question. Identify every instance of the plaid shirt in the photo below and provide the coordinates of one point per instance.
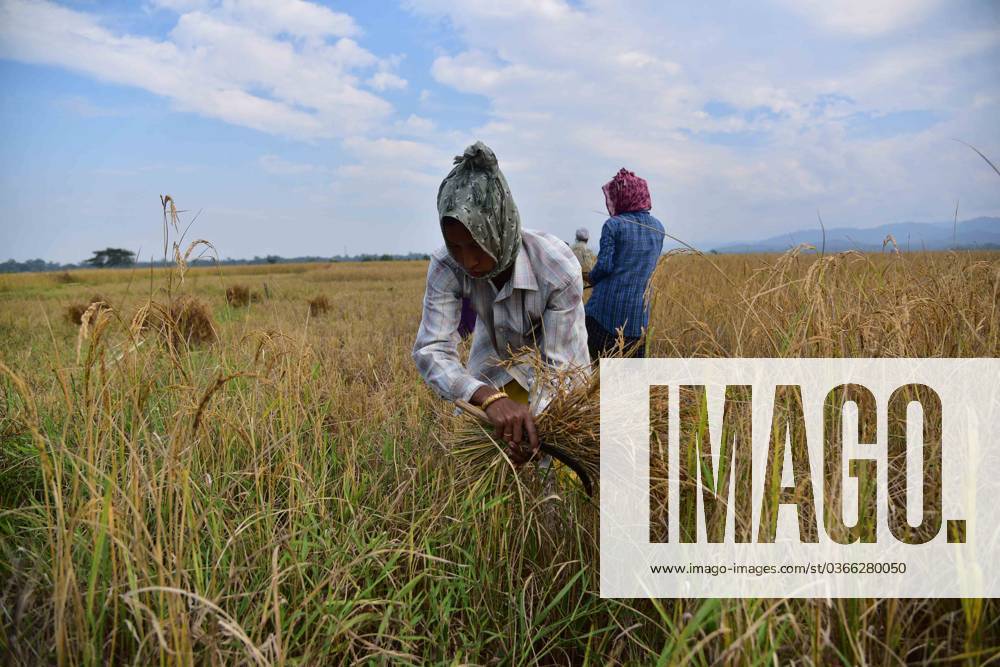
(625, 262)
(541, 306)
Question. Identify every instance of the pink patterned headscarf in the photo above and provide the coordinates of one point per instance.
(626, 192)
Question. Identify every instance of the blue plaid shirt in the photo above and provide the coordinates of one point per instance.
(624, 264)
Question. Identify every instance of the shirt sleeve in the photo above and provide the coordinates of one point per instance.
(435, 350)
(605, 256)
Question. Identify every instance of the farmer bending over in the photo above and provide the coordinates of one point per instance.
(527, 291)
(631, 242)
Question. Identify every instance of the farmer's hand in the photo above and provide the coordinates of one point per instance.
(515, 425)
(586, 278)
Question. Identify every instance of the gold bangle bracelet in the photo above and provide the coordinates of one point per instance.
(492, 398)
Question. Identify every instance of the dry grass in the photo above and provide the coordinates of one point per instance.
(319, 305)
(186, 322)
(843, 305)
(238, 296)
(75, 311)
(280, 497)
(192, 321)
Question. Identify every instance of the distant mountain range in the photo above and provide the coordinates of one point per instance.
(975, 233)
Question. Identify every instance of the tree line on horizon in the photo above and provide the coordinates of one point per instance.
(121, 258)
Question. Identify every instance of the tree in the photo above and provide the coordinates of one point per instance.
(111, 257)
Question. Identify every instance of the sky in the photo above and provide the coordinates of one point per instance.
(305, 128)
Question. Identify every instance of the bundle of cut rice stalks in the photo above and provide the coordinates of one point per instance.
(568, 428)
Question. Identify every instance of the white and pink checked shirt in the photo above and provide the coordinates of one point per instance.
(541, 306)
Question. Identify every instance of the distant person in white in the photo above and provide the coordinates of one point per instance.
(583, 253)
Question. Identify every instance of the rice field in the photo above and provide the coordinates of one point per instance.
(281, 493)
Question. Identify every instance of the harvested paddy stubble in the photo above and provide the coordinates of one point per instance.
(319, 305)
(238, 296)
(75, 312)
(186, 322)
(282, 496)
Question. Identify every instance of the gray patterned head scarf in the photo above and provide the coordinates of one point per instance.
(476, 194)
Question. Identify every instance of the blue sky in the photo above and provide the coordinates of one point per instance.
(313, 128)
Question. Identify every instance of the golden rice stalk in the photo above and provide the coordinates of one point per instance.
(92, 322)
(74, 312)
(181, 261)
(889, 238)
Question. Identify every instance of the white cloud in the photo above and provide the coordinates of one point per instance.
(919, 73)
(640, 60)
(295, 17)
(477, 72)
(415, 125)
(403, 152)
(568, 106)
(291, 17)
(545, 10)
(268, 66)
(391, 185)
(182, 5)
(274, 164)
(387, 80)
(866, 18)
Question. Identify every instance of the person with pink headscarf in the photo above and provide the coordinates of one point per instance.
(631, 243)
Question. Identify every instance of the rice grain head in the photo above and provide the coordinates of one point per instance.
(75, 312)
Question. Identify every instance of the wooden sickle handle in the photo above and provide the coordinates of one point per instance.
(473, 410)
